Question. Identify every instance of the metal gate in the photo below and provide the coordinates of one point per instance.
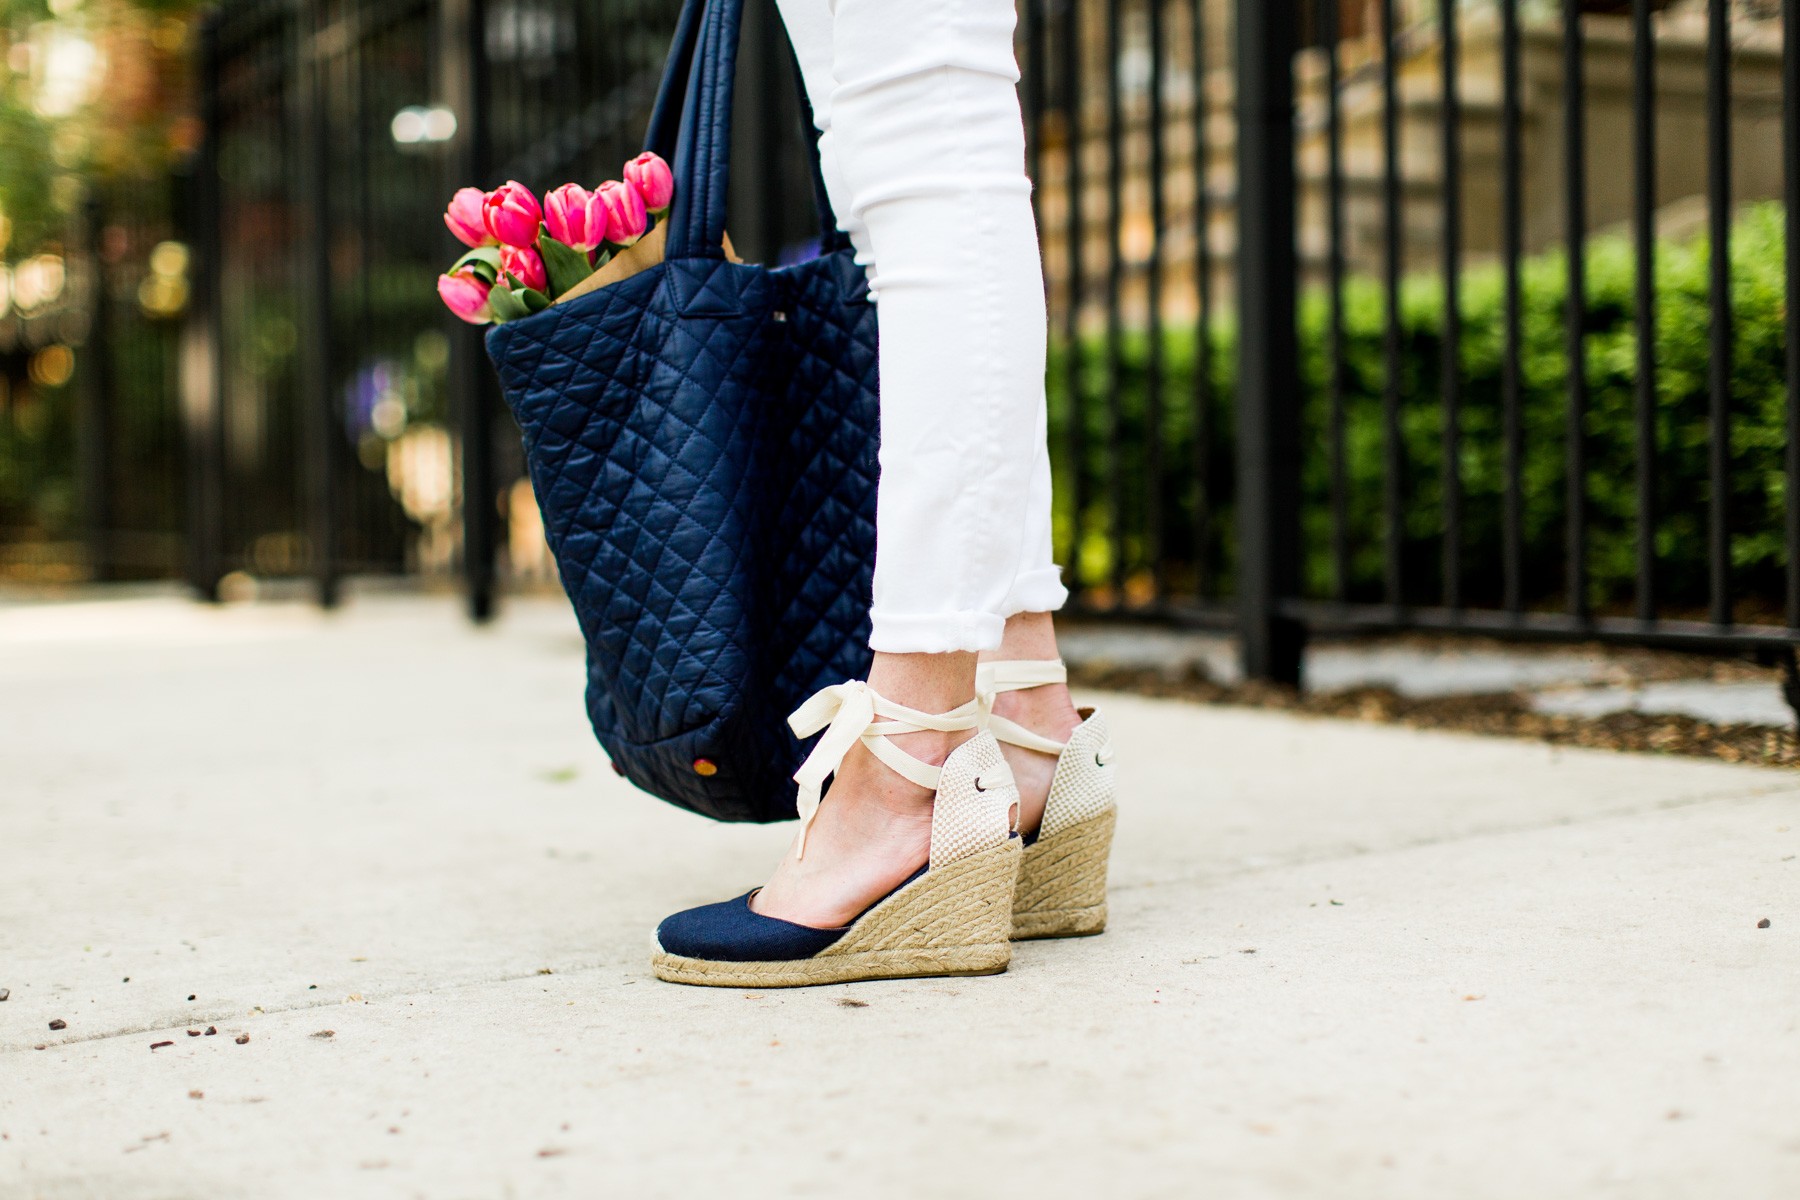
(1424, 403)
(339, 421)
(1345, 297)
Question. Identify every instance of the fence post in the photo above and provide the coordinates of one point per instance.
(1268, 409)
(319, 424)
(95, 400)
(202, 351)
(471, 380)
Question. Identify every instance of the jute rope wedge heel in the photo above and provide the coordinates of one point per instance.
(953, 917)
(1062, 880)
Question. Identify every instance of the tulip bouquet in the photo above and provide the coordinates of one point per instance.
(523, 257)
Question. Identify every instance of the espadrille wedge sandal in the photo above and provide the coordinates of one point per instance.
(953, 917)
(1062, 881)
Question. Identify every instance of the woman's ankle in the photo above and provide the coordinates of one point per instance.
(930, 746)
(867, 784)
(1047, 710)
(927, 683)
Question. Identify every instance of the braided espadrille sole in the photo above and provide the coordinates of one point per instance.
(1062, 882)
(952, 920)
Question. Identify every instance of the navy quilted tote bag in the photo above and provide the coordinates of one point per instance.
(702, 440)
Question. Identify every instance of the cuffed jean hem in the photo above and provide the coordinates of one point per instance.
(936, 633)
(1038, 591)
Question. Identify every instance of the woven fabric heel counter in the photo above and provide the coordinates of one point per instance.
(975, 801)
(1086, 783)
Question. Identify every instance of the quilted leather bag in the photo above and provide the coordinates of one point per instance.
(702, 440)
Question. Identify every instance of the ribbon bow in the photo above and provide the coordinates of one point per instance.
(847, 713)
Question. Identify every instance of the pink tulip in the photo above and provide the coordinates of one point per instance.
(651, 176)
(512, 214)
(575, 217)
(625, 215)
(526, 265)
(466, 295)
(464, 217)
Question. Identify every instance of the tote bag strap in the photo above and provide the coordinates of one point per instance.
(665, 117)
(830, 236)
(693, 110)
(702, 162)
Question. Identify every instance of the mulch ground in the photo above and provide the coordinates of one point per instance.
(1499, 715)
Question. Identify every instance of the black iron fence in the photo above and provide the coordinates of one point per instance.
(1365, 316)
(1388, 316)
(89, 455)
(339, 420)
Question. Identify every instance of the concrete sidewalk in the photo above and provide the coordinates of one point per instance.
(1346, 960)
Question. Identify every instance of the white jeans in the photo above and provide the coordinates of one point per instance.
(923, 150)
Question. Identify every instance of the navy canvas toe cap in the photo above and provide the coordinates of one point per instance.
(731, 931)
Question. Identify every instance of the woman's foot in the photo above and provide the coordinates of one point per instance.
(1061, 757)
(1046, 710)
(873, 830)
(871, 893)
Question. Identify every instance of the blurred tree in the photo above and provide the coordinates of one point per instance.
(95, 113)
(91, 90)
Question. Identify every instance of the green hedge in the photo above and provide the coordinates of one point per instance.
(1757, 440)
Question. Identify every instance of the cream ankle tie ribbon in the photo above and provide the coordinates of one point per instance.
(992, 678)
(847, 713)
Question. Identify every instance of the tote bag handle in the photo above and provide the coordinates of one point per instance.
(665, 117)
(701, 71)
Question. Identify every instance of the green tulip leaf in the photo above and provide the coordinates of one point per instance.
(507, 305)
(533, 299)
(485, 260)
(565, 265)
